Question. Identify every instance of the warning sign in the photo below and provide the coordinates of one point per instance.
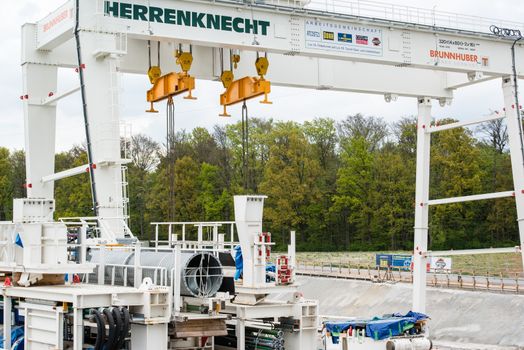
(440, 264)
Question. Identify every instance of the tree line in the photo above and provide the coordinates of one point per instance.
(347, 185)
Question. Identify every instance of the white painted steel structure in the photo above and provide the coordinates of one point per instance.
(330, 45)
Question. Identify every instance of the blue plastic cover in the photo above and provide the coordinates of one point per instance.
(239, 262)
(18, 241)
(16, 333)
(378, 328)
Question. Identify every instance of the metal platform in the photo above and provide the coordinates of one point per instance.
(81, 296)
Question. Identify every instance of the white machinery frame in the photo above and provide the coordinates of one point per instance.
(399, 59)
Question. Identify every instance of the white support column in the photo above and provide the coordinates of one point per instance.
(176, 283)
(241, 333)
(40, 127)
(516, 151)
(156, 237)
(83, 244)
(421, 204)
(7, 322)
(102, 265)
(138, 266)
(200, 234)
(102, 88)
(291, 252)
(78, 329)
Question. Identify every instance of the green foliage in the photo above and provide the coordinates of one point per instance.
(291, 182)
(347, 185)
(72, 194)
(6, 189)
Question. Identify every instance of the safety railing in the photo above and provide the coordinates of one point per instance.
(159, 275)
(219, 235)
(100, 227)
(508, 281)
(392, 12)
(415, 15)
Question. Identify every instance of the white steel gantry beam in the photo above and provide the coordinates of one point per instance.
(292, 31)
(515, 138)
(421, 207)
(284, 70)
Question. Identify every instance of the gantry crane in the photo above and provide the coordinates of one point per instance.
(310, 45)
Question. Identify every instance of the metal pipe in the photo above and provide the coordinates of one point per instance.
(201, 273)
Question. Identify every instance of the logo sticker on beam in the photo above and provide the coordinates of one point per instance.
(332, 36)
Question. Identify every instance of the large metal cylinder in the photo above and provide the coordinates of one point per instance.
(201, 273)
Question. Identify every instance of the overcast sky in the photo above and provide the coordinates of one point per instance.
(288, 103)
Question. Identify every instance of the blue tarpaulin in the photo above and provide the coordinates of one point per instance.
(239, 264)
(377, 328)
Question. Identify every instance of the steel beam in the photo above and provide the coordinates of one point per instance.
(66, 173)
(81, 296)
(53, 98)
(516, 249)
(7, 321)
(493, 116)
(475, 197)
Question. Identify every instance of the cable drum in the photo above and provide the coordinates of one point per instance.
(201, 273)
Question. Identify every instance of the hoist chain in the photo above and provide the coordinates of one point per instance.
(245, 146)
(170, 156)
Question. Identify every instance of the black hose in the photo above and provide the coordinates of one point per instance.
(111, 336)
(127, 322)
(100, 328)
(84, 109)
(516, 86)
(119, 332)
